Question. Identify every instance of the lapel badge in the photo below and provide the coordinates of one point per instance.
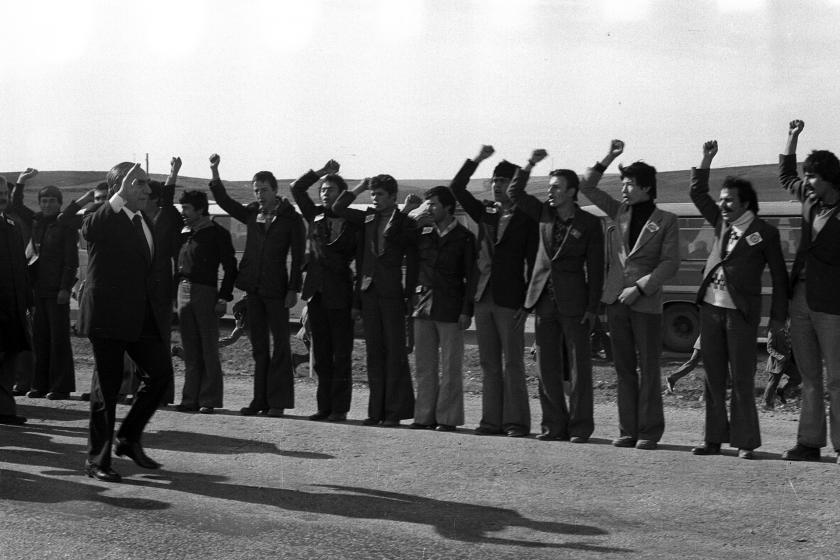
(426, 230)
(575, 233)
(369, 218)
(754, 239)
(652, 227)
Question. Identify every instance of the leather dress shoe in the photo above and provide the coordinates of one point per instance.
(134, 451)
(337, 417)
(647, 444)
(624, 441)
(320, 415)
(33, 394)
(516, 432)
(57, 396)
(484, 431)
(206, 410)
(545, 436)
(801, 452)
(389, 423)
(18, 392)
(445, 428)
(579, 439)
(708, 448)
(276, 412)
(419, 426)
(370, 422)
(251, 411)
(12, 419)
(186, 408)
(746, 454)
(106, 474)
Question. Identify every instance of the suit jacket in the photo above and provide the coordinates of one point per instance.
(744, 264)
(327, 263)
(820, 257)
(382, 271)
(446, 280)
(122, 281)
(263, 267)
(654, 258)
(513, 254)
(15, 295)
(576, 268)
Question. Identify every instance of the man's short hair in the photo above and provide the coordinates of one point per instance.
(336, 180)
(643, 174)
(505, 169)
(824, 164)
(50, 190)
(115, 176)
(103, 186)
(155, 188)
(444, 196)
(384, 182)
(196, 199)
(266, 177)
(572, 179)
(746, 191)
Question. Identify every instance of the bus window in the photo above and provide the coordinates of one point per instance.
(696, 239)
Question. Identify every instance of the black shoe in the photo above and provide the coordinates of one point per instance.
(250, 411)
(390, 423)
(707, 448)
(516, 432)
(84, 397)
(418, 426)
(579, 439)
(57, 396)
(625, 441)
(134, 451)
(337, 417)
(647, 444)
(445, 428)
(545, 436)
(186, 408)
(104, 474)
(670, 383)
(746, 454)
(320, 415)
(12, 419)
(18, 392)
(206, 410)
(33, 394)
(801, 452)
(276, 412)
(370, 422)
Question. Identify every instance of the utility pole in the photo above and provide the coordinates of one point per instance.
(147, 163)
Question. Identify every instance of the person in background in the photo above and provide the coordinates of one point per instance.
(328, 289)
(684, 369)
(53, 257)
(564, 292)
(507, 245)
(275, 231)
(815, 307)
(389, 241)
(15, 301)
(644, 258)
(729, 299)
(780, 362)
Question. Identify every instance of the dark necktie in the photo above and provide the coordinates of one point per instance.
(138, 225)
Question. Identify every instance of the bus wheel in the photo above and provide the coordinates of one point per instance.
(680, 326)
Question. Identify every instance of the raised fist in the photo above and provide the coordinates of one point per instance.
(331, 166)
(412, 202)
(484, 153)
(175, 164)
(710, 148)
(214, 160)
(616, 147)
(537, 156)
(796, 127)
(26, 175)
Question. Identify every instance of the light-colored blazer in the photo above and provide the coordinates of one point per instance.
(653, 259)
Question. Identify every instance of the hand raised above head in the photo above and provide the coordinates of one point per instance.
(485, 152)
(175, 164)
(710, 148)
(29, 173)
(331, 167)
(215, 159)
(537, 156)
(412, 201)
(796, 126)
(616, 147)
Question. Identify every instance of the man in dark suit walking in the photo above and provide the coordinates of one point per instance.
(564, 292)
(328, 290)
(507, 243)
(730, 305)
(120, 313)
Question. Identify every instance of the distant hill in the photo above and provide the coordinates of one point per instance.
(672, 186)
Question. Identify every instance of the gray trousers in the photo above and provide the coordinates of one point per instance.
(438, 355)
(815, 338)
(504, 399)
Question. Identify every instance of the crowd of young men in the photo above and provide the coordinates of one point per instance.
(417, 278)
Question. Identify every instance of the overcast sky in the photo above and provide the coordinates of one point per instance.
(411, 87)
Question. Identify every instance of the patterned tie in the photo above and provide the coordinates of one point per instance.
(731, 238)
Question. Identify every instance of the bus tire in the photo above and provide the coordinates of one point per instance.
(680, 326)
